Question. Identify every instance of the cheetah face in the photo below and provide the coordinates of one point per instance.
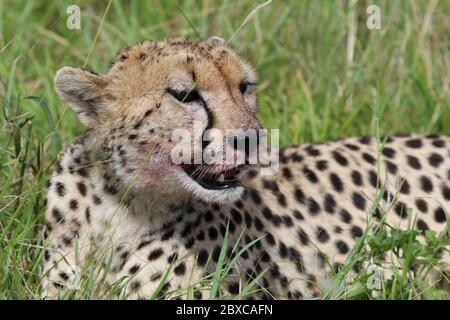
(162, 117)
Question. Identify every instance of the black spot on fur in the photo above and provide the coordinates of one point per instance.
(336, 182)
(155, 254)
(82, 188)
(267, 213)
(421, 205)
(389, 152)
(59, 167)
(287, 174)
(322, 235)
(143, 244)
(296, 157)
(282, 250)
(252, 173)
(133, 269)
(201, 236)
(329, 203)
(368, 158)
(156, 276)
(180, 269)
(304, 239)
(197, 295)
(365, 140)
(270, 239)
(208, 216)
(167, 235)
(87, 214)
(216, 253)
(345, 216)
(298, 215)
(233, 288)
(357, 178)
(322, 165)
(258, 224)
(148, 112)
(299, 196)
(281, 198)
(413, 162)
(64, 276)
(356, 232)
(57, 214)
(426, 184)
(435, 159)
(373, 178)
(414, 143)
(391, 167)
(236, 216)
(421, 225)
(135, 285)
(202, 257)
(83, 172)
(310, 150)
(73, 204)
(439, 215)
(310, 175)
(446, 192)
(96, 200)
(352, 146)
(404, 187)
(248, 219)
(287, 220)
(313, 206)
(212, 233)
(359, 201)
(342, 247)
(339, 158)
(438, 143)
(401, 210)
(271, 185)
(254, 195)
(60, 189)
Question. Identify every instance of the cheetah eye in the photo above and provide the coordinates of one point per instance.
(244, 86)
(185, 96)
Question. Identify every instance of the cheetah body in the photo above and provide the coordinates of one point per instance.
(302, 221)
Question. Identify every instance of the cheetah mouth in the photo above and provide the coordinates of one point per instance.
(212, 177)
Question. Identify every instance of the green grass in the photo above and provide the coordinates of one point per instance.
(314, 85)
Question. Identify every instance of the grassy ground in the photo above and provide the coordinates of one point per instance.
(322, 72)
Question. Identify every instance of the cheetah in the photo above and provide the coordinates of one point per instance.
(161, 228)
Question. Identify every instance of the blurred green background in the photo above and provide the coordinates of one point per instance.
(322, 72)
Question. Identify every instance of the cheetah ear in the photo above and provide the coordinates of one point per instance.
(82, 91)
(215, 41)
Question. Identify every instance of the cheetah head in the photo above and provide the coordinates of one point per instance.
(153, 90)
